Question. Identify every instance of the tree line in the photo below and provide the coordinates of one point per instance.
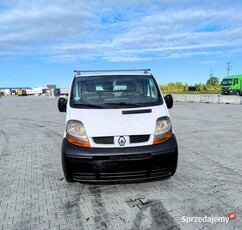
(212, 85)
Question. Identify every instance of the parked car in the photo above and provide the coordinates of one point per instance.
(193, 88)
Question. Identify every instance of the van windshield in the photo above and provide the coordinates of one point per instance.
(114, 91)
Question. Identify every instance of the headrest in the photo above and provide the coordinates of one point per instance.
(108, 86)
(90, 87)
(131, 87)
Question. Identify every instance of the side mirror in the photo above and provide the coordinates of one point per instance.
(62, 104)
(169, 101)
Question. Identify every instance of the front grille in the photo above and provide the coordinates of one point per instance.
(110, 139)
(160, 172)
(122, 157)
(109, 176)
(123, 176)
(84, 176)
(103, 140)
(124, 168)
(139, 138)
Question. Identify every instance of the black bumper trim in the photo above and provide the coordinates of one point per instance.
(119, 164)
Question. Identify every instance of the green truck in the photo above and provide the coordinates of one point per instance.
(232, 85)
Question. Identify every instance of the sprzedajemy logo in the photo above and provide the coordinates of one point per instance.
(209, 219)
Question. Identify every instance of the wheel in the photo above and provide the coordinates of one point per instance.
(238, 93)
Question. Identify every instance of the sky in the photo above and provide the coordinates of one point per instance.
(42, 42)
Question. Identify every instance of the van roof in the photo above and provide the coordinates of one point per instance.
(111, 72)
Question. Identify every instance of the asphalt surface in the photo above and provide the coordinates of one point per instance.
(34, 194)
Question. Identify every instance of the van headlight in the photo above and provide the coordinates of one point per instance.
(163, 130)
(76, 133)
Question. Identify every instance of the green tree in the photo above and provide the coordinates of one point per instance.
(185, 87)
(212, 81)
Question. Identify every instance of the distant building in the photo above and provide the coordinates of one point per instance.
(29, 90)
(12, 90)
(51, 86)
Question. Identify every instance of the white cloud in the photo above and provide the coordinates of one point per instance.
(67, 31)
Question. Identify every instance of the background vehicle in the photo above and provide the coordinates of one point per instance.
(22, 92)
(13, 92)
(118, 128)
(61, 91)
(193, 88)
(232, 85)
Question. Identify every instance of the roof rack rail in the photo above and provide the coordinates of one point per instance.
(116, 70)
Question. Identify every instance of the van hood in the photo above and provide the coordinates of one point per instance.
(117, 122)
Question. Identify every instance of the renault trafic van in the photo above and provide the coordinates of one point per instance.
(117, 128)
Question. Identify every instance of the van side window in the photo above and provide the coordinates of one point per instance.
(151, 91)
(77, 93)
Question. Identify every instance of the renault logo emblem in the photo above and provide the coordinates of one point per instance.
(121, 141)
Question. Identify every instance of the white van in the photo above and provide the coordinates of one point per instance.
(117, 128)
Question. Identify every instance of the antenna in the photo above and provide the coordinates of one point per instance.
(211, 75)
(228, 68)
(211, 72)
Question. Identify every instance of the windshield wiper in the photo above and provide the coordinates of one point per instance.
(122, 104)
(89, 105)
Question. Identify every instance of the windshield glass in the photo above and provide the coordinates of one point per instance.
(227, 82)
(116, 91)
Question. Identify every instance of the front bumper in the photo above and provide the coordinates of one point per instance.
(228, 92)
(119, 164)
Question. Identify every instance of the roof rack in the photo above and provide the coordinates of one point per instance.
(78, 72)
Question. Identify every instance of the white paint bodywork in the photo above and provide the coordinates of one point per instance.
(111, 122)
